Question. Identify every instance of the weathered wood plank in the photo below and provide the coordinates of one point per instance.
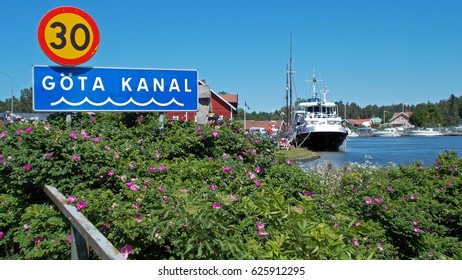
(79, 246)
(97, 241)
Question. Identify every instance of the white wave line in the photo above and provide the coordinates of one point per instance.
(131, 100)
(58, 102)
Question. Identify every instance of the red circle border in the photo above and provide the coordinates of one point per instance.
(65, 61)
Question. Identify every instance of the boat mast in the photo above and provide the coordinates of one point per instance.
(287, 96)
(290, 81)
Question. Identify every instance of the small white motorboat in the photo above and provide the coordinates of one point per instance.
(425, 132)
(387, 132)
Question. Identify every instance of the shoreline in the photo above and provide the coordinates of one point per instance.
(305, 159)
(299, 154)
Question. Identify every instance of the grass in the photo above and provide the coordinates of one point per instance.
(298, 153)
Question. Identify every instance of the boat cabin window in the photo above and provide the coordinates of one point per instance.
(321, 110)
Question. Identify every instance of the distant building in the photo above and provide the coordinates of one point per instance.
(376, 121)
(271, 127)
(224, 105)
(231, 99)
(401, 119)
(359, 122)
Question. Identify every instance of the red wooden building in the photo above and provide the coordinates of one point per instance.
(224, 105)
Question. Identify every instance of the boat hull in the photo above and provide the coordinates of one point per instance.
(424, 134)
(321, 141)
(387, 132)
(386, 135)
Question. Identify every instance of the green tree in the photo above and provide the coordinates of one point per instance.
(453, 111)
(353, 110)
(460, 106)
(25, 101)
(435, 116)
(3, 106)
(370, 111)
(419, 117)
(21, 105)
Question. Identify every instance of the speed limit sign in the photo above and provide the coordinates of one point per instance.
(68, 36)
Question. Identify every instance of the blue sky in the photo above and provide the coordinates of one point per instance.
(367, 52)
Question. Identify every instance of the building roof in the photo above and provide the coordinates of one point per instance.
(265, 124)
(358, 122)
(400, 118)
(404, 114)
(202, 82)
(230, 98)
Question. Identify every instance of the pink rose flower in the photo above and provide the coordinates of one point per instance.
(126, 250)
(233, 197)
(27, 167)
(259, 225)
(37, 240)
(139, 218)
(81, 205)
(71, 199)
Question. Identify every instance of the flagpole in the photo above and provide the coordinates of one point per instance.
(245, 123)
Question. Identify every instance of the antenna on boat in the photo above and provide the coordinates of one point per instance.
(314, 82)
(324, 92)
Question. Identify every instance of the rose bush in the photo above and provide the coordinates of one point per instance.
(183, 191)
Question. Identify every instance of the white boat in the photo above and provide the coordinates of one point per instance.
(316, 123)
(365, 131)
(424, 132)
(351, 134)
(387, 132)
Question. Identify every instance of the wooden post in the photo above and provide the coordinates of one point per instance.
(79, 247)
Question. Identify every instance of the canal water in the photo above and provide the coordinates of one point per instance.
(383, 151)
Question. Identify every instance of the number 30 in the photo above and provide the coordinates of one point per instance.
(63, 41)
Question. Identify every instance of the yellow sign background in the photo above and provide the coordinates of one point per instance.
(69, 21)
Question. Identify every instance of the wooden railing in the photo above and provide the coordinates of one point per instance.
(84, 233)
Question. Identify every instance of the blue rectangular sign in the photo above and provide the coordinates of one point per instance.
(75, 89)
